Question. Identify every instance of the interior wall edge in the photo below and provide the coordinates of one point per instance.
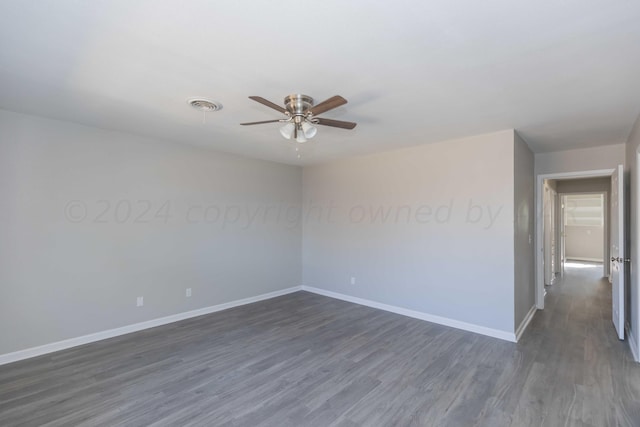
(526, 321)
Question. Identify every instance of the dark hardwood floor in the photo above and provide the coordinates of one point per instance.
(308, 360)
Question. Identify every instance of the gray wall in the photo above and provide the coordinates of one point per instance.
(65, 272)
(447, 245)
(584, 185)
(605, 157)
(524, 270)
(584, 243)
(633, 233)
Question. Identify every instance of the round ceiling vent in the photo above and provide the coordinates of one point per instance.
(205, 105)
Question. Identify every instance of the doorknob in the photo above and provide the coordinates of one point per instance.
(613, 259)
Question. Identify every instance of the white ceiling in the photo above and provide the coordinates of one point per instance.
(566, 74)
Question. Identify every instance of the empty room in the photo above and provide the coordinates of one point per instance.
(329, 213)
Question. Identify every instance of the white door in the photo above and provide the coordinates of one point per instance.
(554, 243)
(617, 250)
(562, 235)
(548, 237)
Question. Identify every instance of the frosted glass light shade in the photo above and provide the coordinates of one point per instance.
(287, 130)
(301, 137)
(309, 130)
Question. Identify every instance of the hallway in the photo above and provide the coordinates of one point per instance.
(580, 372)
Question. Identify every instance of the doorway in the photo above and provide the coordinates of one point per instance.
(614, 249)
(583, 229)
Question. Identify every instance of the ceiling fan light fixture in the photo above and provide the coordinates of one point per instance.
(309, 130)
(287, 130)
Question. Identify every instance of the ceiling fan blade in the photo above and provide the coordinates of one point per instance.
(336, 123)
(263, 101)
(329, 104)
(259, 123)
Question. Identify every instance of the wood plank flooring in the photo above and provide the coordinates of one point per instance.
(308, 360)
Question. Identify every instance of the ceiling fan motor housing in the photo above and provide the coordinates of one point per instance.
(298, 105)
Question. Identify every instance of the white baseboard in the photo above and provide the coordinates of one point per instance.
(583, 259)
(495, 333)
(98, 336)
(634, 346)
(525, 322)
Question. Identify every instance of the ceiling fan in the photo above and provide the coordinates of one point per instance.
(301, 115)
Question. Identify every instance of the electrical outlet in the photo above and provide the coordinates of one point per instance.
(353, 280)
(140, 301)
(188, 293)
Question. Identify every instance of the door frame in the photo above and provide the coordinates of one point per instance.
(605, 228)
(540, 292)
